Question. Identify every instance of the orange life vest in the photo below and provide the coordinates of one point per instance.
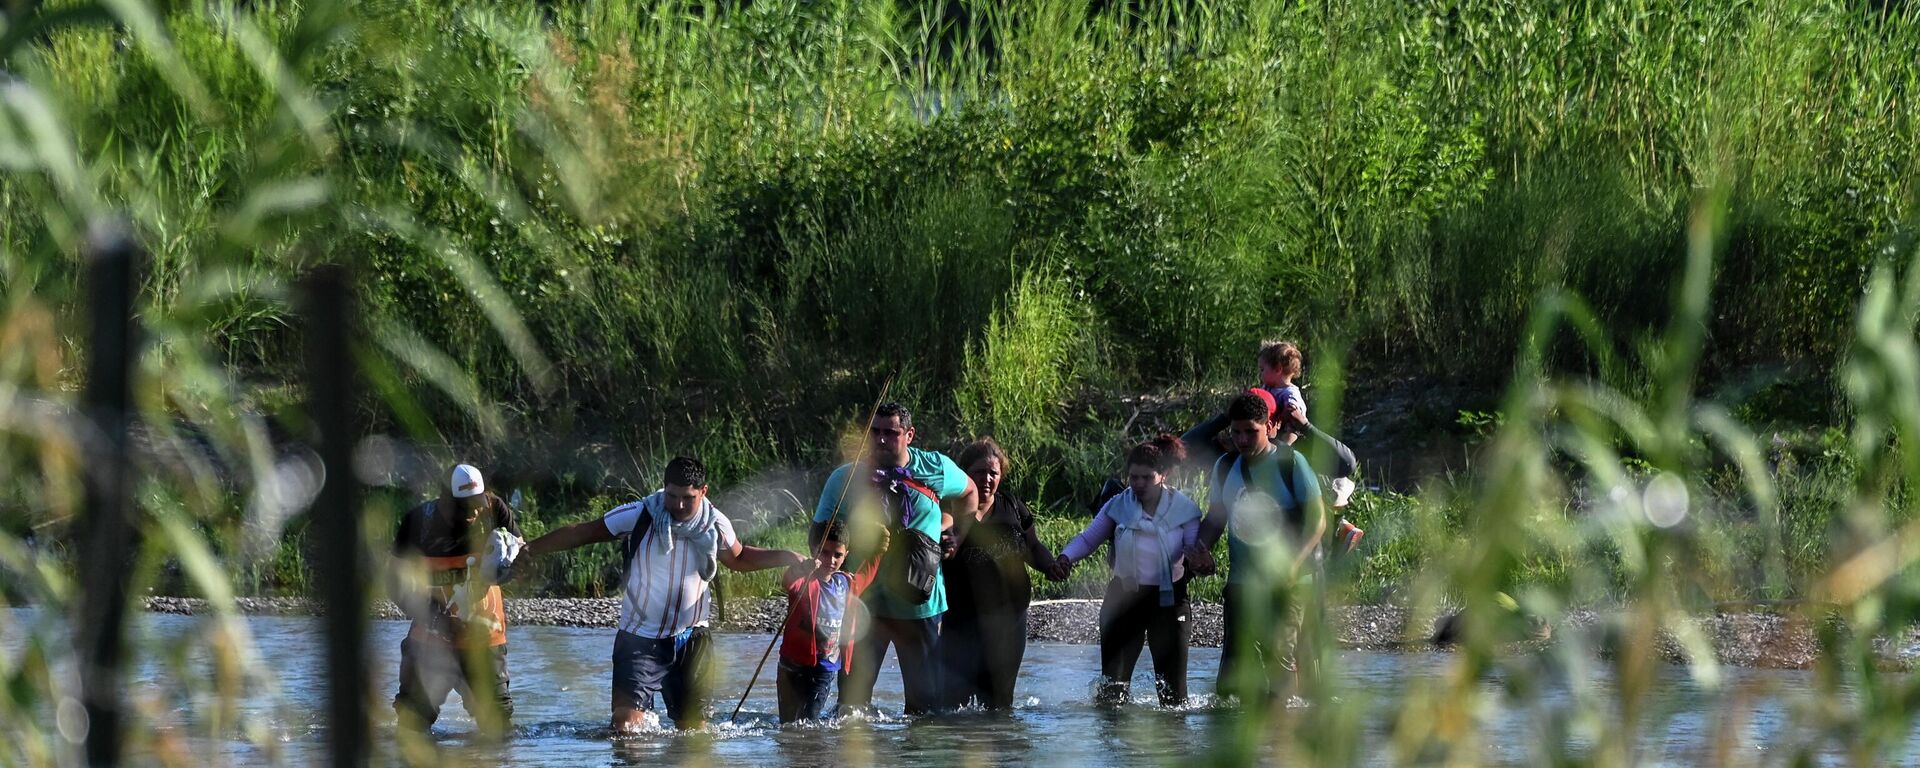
(444, 574)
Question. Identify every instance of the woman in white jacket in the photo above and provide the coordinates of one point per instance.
(1148, 528)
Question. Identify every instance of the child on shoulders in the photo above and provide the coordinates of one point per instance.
(1280, 364)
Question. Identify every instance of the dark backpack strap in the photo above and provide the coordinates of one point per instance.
(1284, 455)
(1286, 475)
(1220, 474)
(915, 487)
(631, 547)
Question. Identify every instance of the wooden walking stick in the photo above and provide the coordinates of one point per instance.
(839, 505)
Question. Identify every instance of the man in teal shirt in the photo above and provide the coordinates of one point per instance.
(912, 492)
(1266, 500)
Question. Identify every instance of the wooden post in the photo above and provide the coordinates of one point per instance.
(332, 397)
(108, 534)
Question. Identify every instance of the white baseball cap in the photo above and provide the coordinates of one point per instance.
(467, 481)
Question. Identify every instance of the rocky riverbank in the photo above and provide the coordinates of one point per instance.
(1770, 640)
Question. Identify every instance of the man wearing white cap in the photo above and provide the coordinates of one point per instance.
(448, 555)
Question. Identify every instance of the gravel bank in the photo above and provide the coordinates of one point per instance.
(1767, 640)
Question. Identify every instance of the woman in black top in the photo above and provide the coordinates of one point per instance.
(984, 634)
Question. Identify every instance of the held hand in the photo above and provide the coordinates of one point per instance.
(1296, 413)
(521, 562)
(1201, 562)
(1062, 568)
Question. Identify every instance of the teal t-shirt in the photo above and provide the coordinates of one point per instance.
(1265, 523)
(929, 468)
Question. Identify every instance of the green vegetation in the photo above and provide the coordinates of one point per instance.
(1677, 236)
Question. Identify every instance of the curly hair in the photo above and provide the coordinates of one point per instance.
(1283, 356)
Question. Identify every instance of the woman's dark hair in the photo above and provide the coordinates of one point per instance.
(1163, 453)
(980, 449)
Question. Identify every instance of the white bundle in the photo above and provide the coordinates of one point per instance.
(502, 549)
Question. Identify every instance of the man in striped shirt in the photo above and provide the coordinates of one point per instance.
(676, 541)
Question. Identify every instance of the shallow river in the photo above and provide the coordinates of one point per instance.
(560, 680)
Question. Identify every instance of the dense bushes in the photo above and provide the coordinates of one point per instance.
(720, 197)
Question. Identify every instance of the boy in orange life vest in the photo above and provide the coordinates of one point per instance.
(454, 643)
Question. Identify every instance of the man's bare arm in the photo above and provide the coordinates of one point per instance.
(741, 557)
(577, 535)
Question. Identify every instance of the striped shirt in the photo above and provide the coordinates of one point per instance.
(664, 594)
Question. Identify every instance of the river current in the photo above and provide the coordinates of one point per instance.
(561, 676)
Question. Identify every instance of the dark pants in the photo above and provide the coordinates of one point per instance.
(676, 669)
(980, 654)
(919, 672)
(1131, 616)
(803, 692)
(1263, 628)
(430, 669)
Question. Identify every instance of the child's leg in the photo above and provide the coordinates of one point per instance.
(815, 688)
(785, 688)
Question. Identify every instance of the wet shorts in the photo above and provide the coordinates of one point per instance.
(676, 668)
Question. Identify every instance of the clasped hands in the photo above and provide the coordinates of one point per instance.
(1200, 561)
(1059, 569)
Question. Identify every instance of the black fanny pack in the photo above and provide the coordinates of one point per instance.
(911, 565)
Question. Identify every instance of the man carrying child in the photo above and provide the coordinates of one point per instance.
(1267, 502)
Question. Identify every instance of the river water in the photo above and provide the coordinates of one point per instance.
(560, 681)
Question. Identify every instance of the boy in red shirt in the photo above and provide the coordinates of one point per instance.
(815, 641)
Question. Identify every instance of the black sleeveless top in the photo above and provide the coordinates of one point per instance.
(989, 571)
